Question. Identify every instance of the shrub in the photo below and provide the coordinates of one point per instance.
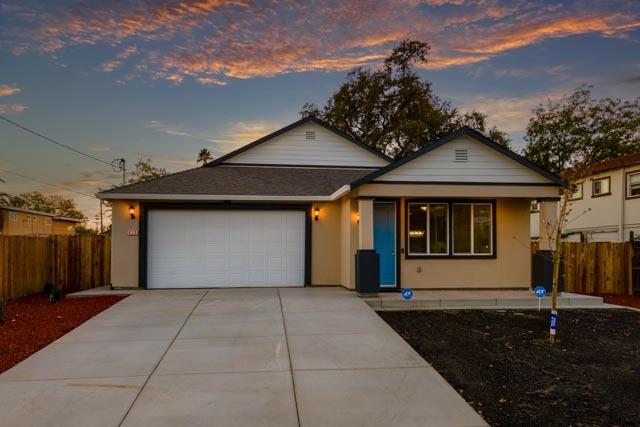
(48, 288)
(55, 295)
(3, 309)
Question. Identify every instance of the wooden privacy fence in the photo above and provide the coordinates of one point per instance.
(71, 263)
(597, 267)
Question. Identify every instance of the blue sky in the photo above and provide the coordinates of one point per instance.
(161, 79)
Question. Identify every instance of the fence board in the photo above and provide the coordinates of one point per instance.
(71, 263)
(597, 267)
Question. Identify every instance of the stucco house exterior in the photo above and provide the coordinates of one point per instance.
(25, 222)
(605, 204)
(294, 207)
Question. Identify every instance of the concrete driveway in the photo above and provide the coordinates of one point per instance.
(232, 357)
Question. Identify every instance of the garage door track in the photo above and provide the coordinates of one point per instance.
(232, 357)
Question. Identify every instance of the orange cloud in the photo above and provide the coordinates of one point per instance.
(6, 90)
(12, 108)
(212, 41)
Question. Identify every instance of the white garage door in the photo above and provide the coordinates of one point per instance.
(224, 248)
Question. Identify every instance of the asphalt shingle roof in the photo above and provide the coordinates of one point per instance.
(248, 180)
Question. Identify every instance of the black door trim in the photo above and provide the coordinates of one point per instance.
(146, 206)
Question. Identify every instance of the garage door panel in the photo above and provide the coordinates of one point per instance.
(225, 248)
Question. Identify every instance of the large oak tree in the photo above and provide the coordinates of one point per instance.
(393, 110)
(578, 131)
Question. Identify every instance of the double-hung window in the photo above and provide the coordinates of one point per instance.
(601, 187)
(450, 229)
(633, 184)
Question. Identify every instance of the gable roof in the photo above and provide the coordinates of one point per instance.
(464, 131)
(293, 125)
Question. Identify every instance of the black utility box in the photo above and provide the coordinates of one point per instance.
(367, 271)
(542, 271)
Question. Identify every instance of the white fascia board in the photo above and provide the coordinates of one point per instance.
(214, 197)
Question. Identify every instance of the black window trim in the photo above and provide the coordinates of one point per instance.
(450, 203)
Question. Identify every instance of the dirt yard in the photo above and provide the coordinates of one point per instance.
(32, 323)
(501, 362)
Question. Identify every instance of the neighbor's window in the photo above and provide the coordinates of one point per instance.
(472, 228)
(13, 216)
(47, 221)
(428, 229)
(601, 187)
(577, 191)
(633, 184)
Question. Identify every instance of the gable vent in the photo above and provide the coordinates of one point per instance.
(461, 155)
(310, 134)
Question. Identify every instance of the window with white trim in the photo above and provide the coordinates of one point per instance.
(47, 221)
(633, 184)
(472, 228)
(428, 229)
(13, 216)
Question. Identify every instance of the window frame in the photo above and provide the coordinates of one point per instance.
(593, 184)
(627, 184)
(14, 214)
(571, 198)
(450, 231)
(428, 229)
(48, 221)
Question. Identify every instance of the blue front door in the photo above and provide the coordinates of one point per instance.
(384, 241)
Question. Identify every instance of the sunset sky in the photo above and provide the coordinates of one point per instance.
(162, 79)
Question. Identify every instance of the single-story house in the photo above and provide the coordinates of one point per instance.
(28, 222)
(294, 207)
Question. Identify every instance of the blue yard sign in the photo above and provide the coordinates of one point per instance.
(540, 292)
(407, 294)
(554, 322)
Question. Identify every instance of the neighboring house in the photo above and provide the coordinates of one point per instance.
(294, 207)
(605, 204)
(25, 222)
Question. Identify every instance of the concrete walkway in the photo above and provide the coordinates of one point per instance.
(237, 357)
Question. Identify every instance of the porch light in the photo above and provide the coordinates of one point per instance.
(132, 211)
(316, 213)
(358, 217)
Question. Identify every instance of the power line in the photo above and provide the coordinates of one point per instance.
(46, 138)
(46, 183)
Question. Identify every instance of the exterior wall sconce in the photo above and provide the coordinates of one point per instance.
(132, 211)
(358, 217)
(316, 213)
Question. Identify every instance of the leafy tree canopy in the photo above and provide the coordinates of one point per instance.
(145, 171)
(53, 204)
(578, 131)
(393, 110)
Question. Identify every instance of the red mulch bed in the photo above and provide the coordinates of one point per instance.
(626, 300)
(32, 322)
